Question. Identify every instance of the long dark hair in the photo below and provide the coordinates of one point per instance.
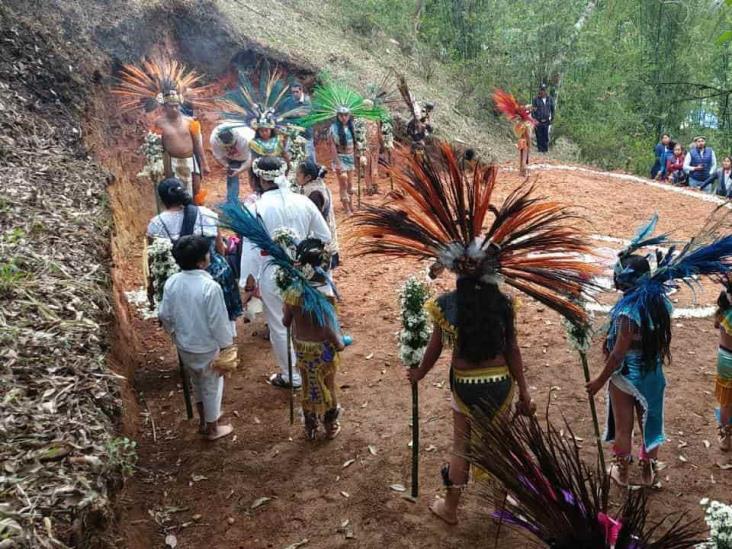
(343, 140)
(485, 320)
(172, 193)
(312, 170)
(655, 327)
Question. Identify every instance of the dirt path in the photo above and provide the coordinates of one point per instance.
(206, 494)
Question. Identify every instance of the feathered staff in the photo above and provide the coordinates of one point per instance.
(407, 97)
(522, 122)
(146, 85)
(262, 105)
(553, 496)
(531, 243)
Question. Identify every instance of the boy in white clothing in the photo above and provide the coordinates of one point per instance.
(194, 313)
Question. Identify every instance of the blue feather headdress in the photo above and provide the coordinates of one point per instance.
(263, 106)
(241, 220)
(709, 253)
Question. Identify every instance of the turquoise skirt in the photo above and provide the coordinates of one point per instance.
(647, 387)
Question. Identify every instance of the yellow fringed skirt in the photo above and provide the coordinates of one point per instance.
(316, 360)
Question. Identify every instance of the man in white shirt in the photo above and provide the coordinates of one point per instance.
(278, 208)
(230, 147)
(193, 312)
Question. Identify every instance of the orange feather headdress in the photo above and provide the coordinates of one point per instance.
(532, 244)
(158, 81)
(514, 112)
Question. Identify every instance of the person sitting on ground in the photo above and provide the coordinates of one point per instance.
(182, 218)
(194, 314)
(723, 178)
(659, 150)
(311, 179)
(675, 173)
(230, 146)
(700, 162)
(183, 155)
(723, 382)
(316, 346)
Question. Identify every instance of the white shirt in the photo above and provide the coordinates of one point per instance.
(194, 313)
(238, 151)
(281, 208)
(168, 224)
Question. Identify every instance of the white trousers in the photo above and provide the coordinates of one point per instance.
(273, 310)
(207, 385)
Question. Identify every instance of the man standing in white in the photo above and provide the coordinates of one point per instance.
(230, 147)
(193, 312)
(278, 208)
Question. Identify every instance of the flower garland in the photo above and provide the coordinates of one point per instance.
(161, 264)
(359, 129)
(415, 332)
(298, 155)
(718, 517)
(152, 150)
(287, 240)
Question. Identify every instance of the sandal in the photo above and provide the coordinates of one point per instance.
(725, 438)
(331, 423)
(618, 470)
(648, 472)
(311, 425)
(276, 380)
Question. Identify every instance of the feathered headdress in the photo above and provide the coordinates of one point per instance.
(158, 81)
(241, 220)
(514, 112)
(330, 100)
(552, 495)
(530, 243)
(707, 254)
(384, 92)
(262, 106)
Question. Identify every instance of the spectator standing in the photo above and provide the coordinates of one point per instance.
(230, 147)
(543, 112)
(299, 99)
(660, 152)
(700, 163)
(723, 177)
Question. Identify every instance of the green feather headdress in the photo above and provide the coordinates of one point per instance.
(329, 100)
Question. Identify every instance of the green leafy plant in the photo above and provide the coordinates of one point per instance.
(122, 455)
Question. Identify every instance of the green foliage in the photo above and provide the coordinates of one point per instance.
(11, 277)
(122, 455)
(621, 72)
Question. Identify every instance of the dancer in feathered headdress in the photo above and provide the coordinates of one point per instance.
(638, 341)
(336, 102)
(723, 380)
(522, 121)
(419, 127)
(164, 81)
(530, 244)
(548, 493)
(375, 138)
(265, 109)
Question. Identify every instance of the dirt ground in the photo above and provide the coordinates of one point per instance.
(209, 494)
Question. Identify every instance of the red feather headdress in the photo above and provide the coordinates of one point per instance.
(509, 106)
(148, 85)
(531, 244)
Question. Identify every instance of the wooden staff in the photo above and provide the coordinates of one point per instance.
(593, 409)
(415, 439)
(358, 171)
(186, 388)
(289, 376)
(391, 173)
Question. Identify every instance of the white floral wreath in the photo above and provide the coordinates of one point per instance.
(269, 175)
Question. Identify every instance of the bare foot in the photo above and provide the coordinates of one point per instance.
(440, 509)
(220, 432)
